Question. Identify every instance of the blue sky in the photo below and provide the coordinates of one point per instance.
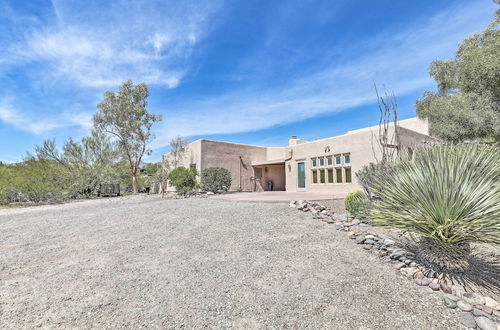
(252, 72)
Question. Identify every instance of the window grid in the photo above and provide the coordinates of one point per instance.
(331, 169)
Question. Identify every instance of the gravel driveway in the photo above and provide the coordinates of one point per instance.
(141, 261)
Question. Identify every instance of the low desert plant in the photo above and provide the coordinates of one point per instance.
(449, 195)
(355, 203)
(371, 177)
(183, 179)
(215, 179)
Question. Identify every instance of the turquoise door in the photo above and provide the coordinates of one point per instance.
(301, 176)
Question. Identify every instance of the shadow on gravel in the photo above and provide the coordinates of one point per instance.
(475, 270)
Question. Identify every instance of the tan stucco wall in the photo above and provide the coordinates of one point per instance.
(191, 156)
(274, 153)
(362, 145)
(274, 173)
(227, 155)
(358, 145)
(415, 124)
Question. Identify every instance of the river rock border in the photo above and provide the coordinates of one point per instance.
(477, 311)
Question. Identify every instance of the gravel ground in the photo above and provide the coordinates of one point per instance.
(140, 261)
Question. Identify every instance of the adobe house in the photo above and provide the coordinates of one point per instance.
(324, 165)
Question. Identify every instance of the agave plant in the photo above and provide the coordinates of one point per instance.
(449, 195)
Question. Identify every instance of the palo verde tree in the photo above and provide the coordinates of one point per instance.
(177, 150)
(466, 105)
(124, 116)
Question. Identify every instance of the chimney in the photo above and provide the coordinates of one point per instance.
(292, 141)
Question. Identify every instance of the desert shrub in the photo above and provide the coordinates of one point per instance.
(371, 177)
(449, 195)
(183, 179)
(34, 181)
(215, 179)
(356, 204)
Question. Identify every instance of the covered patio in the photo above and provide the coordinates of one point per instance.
(271, 171)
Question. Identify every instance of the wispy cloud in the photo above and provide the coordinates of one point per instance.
(397, 60)
(97, 45)
(26, 122)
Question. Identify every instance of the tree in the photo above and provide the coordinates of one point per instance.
(183, 179)
(388, 140)
(178, 149)
(87, 163)
(467, 103)
(161, 177)
(124, 116)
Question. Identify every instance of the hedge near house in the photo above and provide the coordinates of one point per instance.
(215, 179)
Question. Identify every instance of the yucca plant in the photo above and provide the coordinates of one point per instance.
(449, 195)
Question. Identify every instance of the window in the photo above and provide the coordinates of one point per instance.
(338, 160)
(339, 175)
(322, 161)
(329, 160)
(330, 175)
(314, 162)
(322, 176)
(347, 159)
(193, 165)
(348, 177)
(315, 176)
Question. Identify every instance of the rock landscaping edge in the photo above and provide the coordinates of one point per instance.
(477, 311)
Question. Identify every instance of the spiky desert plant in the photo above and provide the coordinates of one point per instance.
(449, 194)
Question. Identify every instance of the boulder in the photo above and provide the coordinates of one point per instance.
(490, 302)
(445, 287)
(473, 298)
(360, 239)
(478, 312)
(485, 323)
(449, 301)
(467, 319)
(465, 306)
(399, 265)
(434, 286)
(409, 271)
(425, 281)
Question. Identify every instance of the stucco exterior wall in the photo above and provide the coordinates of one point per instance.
(361, 145)
(276, 174)
(192, 156)
(274, 153)
(358, 145)
(227, 155)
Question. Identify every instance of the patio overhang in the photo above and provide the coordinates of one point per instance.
(268, 162)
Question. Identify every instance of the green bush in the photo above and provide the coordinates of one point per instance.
(449, 194)
(215, 179)
(355, 204)
(183, 179)
(35, 181)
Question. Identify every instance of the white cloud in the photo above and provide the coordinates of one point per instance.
(27, 123)
(398, 61)
(98, 45)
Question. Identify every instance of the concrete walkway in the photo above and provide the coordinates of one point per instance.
(277, 196)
